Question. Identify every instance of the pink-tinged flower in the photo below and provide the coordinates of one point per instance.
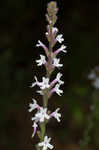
(45, 144)
(40, 44)
(56, 89)
(56, 115)
(59, 38)
(54, 30)
(41, 115)
(43, 85)
(33, 106)
(61, 49)
(41, 61)
(57, 79)
(56, 62)
(34, 128)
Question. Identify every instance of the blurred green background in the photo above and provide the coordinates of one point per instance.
(22, 23)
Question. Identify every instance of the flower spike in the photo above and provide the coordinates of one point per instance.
(47, 87)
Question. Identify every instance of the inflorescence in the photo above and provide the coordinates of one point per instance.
(47, 87)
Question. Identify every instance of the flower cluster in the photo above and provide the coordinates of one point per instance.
(94, 76)
(47, 87)
(41, 115)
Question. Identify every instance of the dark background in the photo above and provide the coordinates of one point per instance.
(22, 23)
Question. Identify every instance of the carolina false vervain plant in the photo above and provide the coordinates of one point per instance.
(93, 115)
(47, 87)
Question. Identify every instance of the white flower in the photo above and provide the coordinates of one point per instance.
(39, 44)
(95, 79)
(33, 106)
(45, 144)
(40, 92)
(41, 115)
(96, 83)
(58, 78)
(41, 61)
(57, 90)
(56, 115)
(54, 30)
(56, 62)
(50, 21)
(44, 84)
(59, 38)
(92, 75)
(43, 46)
(35, 83)
(35, 118)
(46, 33)
(62, 48)
(35, 128)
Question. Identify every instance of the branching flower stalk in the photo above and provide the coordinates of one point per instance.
(48, 87)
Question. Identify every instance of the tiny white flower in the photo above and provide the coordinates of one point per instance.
(50, 21)
(39, 44)
(33, 106)
(54, 30)
(57, 90)
(46, 33)
(41, 115)
(92, 75)
(35, 128)
(56, 115)
(40, 92)
(56, 62)
(41, 61)
(45, 144)
(59, 38)
(35, 83)
(58, 78)
(44, 84)
(43, 46)
(95, 83)
(35, 118)
(62, 48)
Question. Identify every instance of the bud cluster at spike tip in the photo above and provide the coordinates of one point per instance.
(47, 87)
(52, 11)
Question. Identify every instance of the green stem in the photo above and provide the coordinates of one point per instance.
(45, 96)
(43, 129)
(43, 125)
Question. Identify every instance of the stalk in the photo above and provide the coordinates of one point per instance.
(45, 96)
